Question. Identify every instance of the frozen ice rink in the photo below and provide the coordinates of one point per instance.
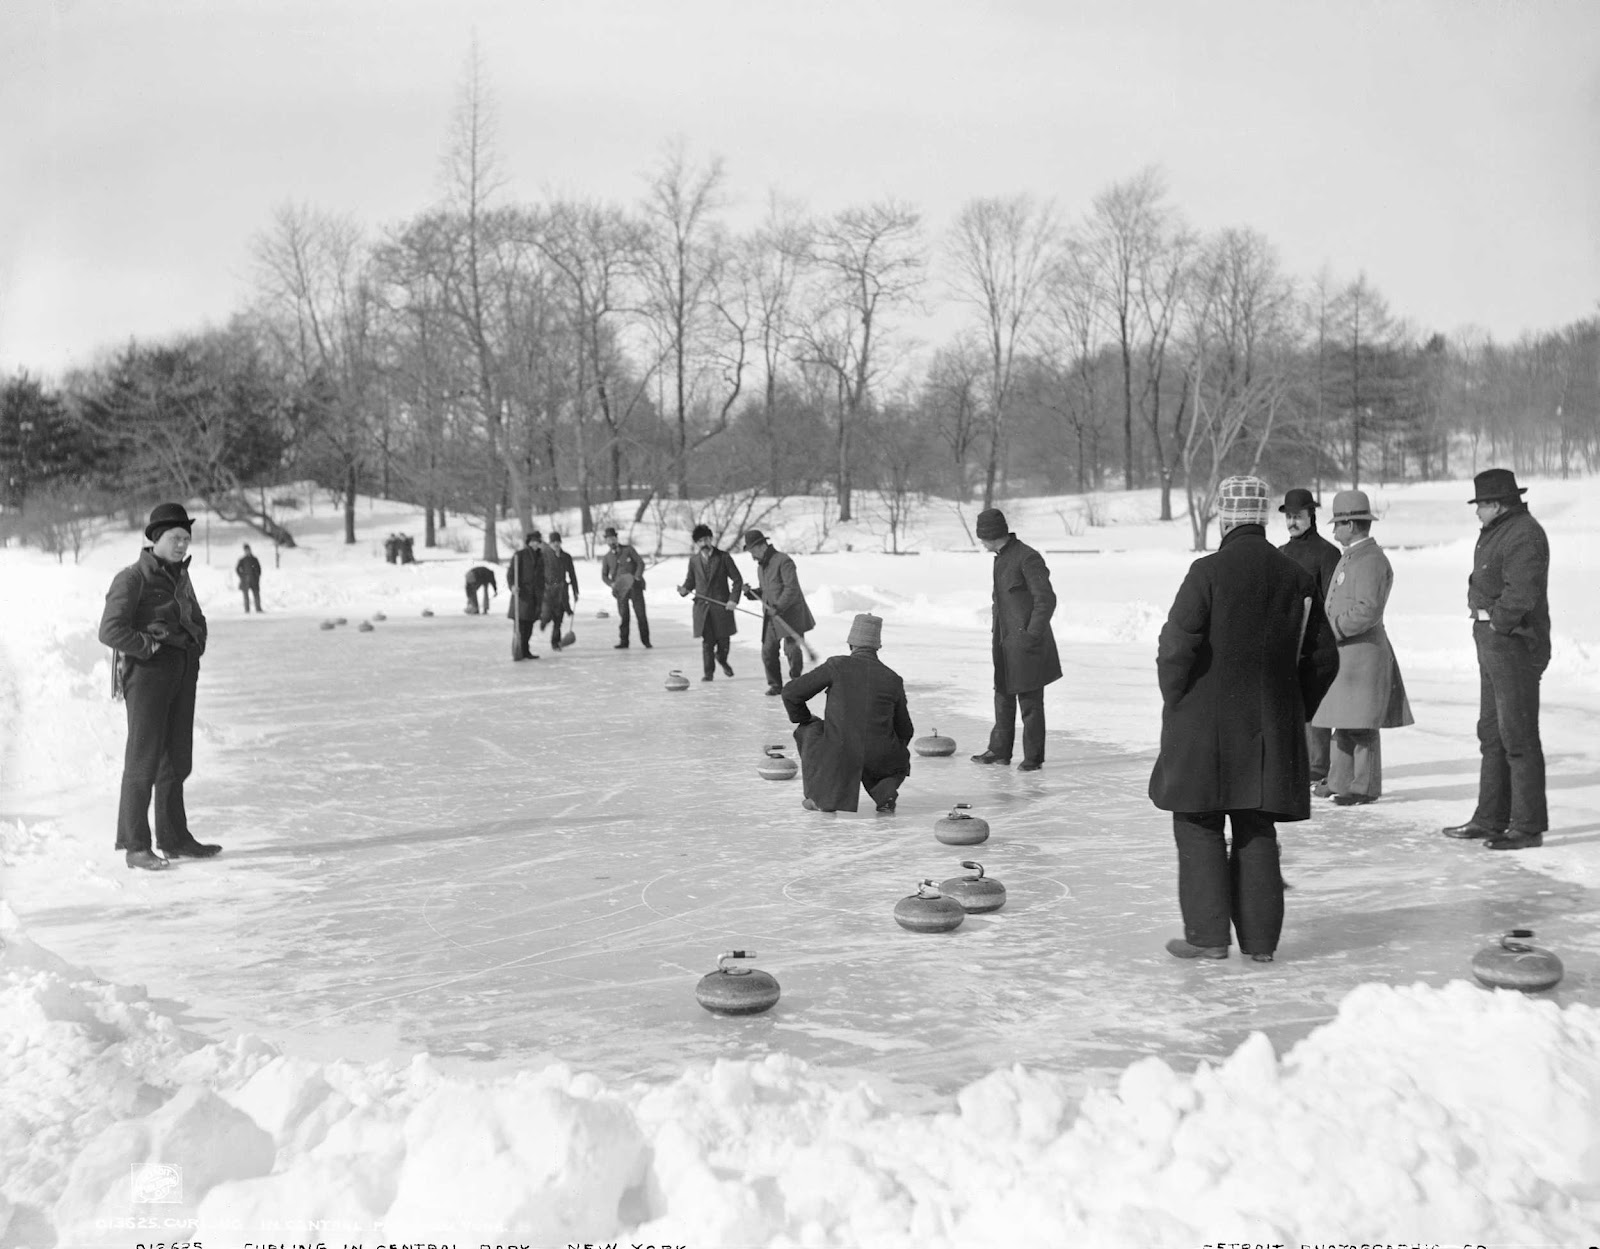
(429, 847)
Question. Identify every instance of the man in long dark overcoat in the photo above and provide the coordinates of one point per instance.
(778, 588)
(249, 571)
(1320, 558)
(1245, 656)
(712, 575)
(1508, 596)
(525, 579)
(1024, 647)
(861, 741)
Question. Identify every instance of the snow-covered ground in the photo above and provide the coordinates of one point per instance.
(406, 1004)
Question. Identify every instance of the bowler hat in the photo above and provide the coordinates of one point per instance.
(1352, 505)
(165, 516)
(1496, 485)
(1298, 500)
(865, 631)
(992, 524)
(611, 531)
(753, 537)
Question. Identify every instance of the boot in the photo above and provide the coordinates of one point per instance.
(149, 862)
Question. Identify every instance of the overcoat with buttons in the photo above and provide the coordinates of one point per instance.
(1368, 693)
(1025, 656)
(1511, 579)
(717, 577)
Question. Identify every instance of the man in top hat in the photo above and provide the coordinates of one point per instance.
(1320, 558)
(525, 581)
(1244, 658)
(778, 588)
(154, 623)
(1023, 645)
(249, 572)
(1368, 693)
(1508, 598)
(713, 578)
(861, 741)
(622, 569)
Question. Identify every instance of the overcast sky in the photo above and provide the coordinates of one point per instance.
(1449, 150)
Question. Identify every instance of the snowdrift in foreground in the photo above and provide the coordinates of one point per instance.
(1417, 1114)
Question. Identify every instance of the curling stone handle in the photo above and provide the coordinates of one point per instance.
(1514, 938)
(722, 958)
(973, 866)
(927, 889)
(963, 806)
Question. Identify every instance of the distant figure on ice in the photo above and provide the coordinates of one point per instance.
(1319, 557)
(1024, 647)
(406, 543)
(154, 623)
(1245, 656)
(480, 579)
(391, 549)
(781, 599)
(1368, 694)
(249, 570)
(861, 741)
(556, 603)
(524, 579)
(1509, 600)
(713, 575)
(622, 569)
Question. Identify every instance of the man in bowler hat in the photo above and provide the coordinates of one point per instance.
(1509, 602)
(622, 571)
(778, 588)
(1320, 558)
(154, 623)
(1023, 646)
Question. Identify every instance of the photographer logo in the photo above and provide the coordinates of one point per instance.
(157, 1183)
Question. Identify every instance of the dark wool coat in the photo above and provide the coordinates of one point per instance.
(152, 592)
(560, 589)
(525, 575)
(1317, 556)
(249, 570)
(863, 733)
(718, 576)
(1025, 656)
(624, 562)
(1511, 580)
(1368, 693)
(780, 590)
(1245, 657)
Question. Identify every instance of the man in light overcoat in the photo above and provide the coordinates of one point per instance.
(1245, 656)
(778, 588)
(714, 579)
(1368, 694)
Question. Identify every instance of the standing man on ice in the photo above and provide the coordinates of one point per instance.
(249, 570)
(861, 741)
(154, 623)
(1320, 558)
(713, 578)
(1508, 597)
(560, 592)
(1024, 647)
(622, 569)
(1245, 656)
(782, 600)
(524, 579)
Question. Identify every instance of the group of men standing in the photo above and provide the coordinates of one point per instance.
(543, 583)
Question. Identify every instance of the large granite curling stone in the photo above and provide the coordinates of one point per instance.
(928, 910)
(978, 893)
(935, 745)
(364, 627)
(677, 682)
(1511, 963)
(776, 766)
(736, 990)
(960, 829)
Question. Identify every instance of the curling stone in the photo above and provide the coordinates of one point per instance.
(340, 620)
(776, 766)
(326, 624)
(364, 627)
(602, 615)
(1514, 964)
(568, 638)
(427, 611)
(960, 829)
(935, 745)
(736, 990)
(928, 910)
(378, 615)
(676, 681)
(977, 894)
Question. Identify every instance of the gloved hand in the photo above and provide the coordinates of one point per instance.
(683, 591)
(751, 592)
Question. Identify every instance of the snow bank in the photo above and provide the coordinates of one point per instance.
(1416, 1115)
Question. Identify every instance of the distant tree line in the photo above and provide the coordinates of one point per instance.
(494, 359)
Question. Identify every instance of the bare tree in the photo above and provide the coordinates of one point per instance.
(1068, 343)
(1001, 252)
(951, 399)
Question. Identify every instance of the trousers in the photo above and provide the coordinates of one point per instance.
(633, 599)
(248, 591)
(1003, 737)
(1319, 742)
(771, 642)
(713, 651)
(1219, 885)
(160, 697)
(1356, 762)
(1511, 775)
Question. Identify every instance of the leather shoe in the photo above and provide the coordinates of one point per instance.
(149, 862)
(194, 850)
(1261, 958)
(1514, 841)
(774, 690)
(620, 646)
(1179, 948)
(1321, 790)
(989, 756)
(727, 668)
(1028, 765)
(1352, 800)
(1464, 832)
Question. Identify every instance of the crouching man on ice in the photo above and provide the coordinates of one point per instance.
(861, 741)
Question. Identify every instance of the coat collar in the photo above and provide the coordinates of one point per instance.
(1239, 531)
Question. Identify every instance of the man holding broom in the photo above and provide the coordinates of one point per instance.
(788, 618)
(713, 578)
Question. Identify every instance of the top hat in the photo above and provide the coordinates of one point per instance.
(1352, 505)
(165, 516)
(1496, 485)
(1298, 500)
(1242, 500)
(866, 631)
(992, 524)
